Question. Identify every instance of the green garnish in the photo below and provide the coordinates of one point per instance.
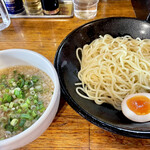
(25, 116)
(19, 101)
(22, 122)
(20, 83)
(9, 127)
(35, 79)
(14, 122)
(18, 93)
(7, 98)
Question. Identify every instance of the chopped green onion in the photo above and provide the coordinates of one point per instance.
(42, 109)
(2, 107)
(35, 97)
(14, 96)
(7, 90)
(34, 114)
(11, 81)
(29, 111)
(19, 110)
(40, 102)
(35, 101)
(22, 122)
(35, 79)
(41, 106)
(25, 87)
(38, 88)
(24, 105)
(32, 88)
(16, 127)
(20, 83)
(28, 101)
(7, 98)
(37, 107)
(33, 106)
(30, 84)
(20, 101)
(14, 122)
(26, 82)
(18, 93)
(25, 116)
(11, 104)
(14, 84)
(9, 127)
(32, 92)
(30, 97)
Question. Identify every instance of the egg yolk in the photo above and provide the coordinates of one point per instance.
(140, 105)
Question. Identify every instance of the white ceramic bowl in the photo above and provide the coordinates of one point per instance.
(13, 57)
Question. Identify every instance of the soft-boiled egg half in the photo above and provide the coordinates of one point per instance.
(136, 107)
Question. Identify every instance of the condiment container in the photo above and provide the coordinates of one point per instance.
(50, 7)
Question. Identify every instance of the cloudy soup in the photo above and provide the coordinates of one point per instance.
(25, 92)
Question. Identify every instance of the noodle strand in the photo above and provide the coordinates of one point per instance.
(112, 68)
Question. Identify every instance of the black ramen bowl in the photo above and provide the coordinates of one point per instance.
(67, 67)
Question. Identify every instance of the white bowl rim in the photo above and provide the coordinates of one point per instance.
(48, 109)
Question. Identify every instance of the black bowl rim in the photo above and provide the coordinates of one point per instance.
(84, 113)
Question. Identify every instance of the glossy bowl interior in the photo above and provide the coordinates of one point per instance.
(67, 66)
(13, 57)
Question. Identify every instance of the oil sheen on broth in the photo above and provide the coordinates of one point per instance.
(25, 92)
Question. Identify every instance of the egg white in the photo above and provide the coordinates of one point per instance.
(130, 114)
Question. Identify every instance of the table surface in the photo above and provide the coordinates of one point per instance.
(69, 131)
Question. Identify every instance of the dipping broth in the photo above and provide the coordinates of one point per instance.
(25, 92)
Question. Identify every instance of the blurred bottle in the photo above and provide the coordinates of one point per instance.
(50, 7)
(33, 7)
(14, 7)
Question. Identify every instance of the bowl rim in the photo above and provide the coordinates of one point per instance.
(79, 109)
(50, 105)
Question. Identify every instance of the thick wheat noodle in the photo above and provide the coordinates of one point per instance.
(112, 68)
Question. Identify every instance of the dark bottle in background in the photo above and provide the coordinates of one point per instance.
(50, 7)
(14, 6)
